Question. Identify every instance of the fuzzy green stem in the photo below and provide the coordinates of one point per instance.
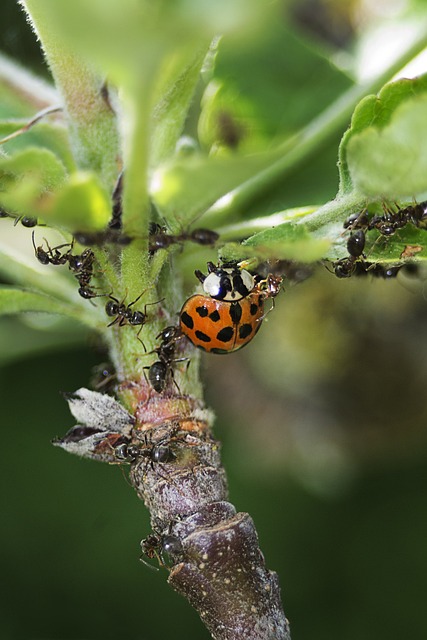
(300, 147)
(93, 129)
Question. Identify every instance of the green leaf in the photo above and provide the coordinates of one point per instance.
(27, 177)
(82, 204)
(20, 268)
(391, 162)
(175, 91)
(53, 137)
(19, 300)
(284, 242)
(182, 190)
(382, 135)
(264, 89)
(407, 243)
(127, 38)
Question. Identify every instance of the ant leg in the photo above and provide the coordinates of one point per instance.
(151, 303)
(138, 338)
(136, 299)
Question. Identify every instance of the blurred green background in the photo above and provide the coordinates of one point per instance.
(323, 423)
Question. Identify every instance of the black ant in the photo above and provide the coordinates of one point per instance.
(156, 544)
(26, 221)
(99, 238)
(159, 452)
(391, 221)
(82, 267)
(346, 267)
(162, 369)
(159, 239)
(123, 314)
(416, 214)
(52, 255)
(356, 243)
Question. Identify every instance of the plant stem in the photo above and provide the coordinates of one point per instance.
(93, 130)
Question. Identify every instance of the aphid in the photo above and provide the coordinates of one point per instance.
(230, 316)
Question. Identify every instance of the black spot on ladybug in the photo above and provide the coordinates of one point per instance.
(239, 286)
(219, 351)
(225, 335)
(235, 312)
(253, 309)
(202, 336)
(245, 331)
(215, 316)
(202, 311)
(187, 320)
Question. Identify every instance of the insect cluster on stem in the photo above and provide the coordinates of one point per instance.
(359, 224)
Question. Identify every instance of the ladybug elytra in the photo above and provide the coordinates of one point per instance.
(230, 315)
(221, 327)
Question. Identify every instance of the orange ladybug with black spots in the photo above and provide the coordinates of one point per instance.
(231, 314)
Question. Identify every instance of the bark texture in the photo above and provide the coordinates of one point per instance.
(211, 551)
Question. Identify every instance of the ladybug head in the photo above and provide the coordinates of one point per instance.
(228, 282)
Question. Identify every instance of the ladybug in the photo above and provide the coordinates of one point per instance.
(231, 315)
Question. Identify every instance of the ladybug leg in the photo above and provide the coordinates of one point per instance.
(200, 276)
(273, 304)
